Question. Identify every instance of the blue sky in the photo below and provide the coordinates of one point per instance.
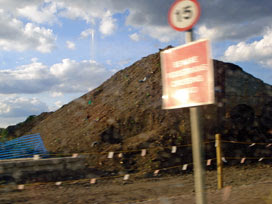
(53, 51)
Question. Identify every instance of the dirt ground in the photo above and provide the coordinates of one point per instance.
(250, 184)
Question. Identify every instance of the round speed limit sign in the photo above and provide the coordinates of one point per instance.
(184, 14)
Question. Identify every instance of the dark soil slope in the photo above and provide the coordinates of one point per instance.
(125, 113)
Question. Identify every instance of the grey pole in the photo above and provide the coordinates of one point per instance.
(197, 142)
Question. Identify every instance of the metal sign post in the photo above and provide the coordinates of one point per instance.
(182, 16)
(196, 132)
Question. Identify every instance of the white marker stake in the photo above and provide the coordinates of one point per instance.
(224, 159)
(184, 167)
(126, 177)
(143, 152)
(21, 187)
(74, 155)
(174, 149)
(93, 181)
(36, 157)
(209, 162)
(156, 172)
(110, 155)
(243, 160)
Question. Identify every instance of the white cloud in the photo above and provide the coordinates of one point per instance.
(7, 121)
(220, 19)
(34, 59)
(14, 35)
(59, 104)
(12, 5)
(90, 11)
(135, 37)
(259, 51)
(68, 76)
(211, 33)
(108, 24)
(143, 15)
(229, 32)
(20, 107)
(31, 78)
(78, 76)
(45, 14)
(149, 18)
(161, 33)
(74, 12)
(56, 94)
(70, 45)
(15, 109)
(86, 33)
(233, 20)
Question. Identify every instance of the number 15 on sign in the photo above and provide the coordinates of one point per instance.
(184, 14)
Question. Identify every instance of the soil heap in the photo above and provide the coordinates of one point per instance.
(124, 114)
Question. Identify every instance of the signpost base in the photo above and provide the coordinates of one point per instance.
(196, 132)
(199, 173)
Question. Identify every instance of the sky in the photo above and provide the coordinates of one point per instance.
(54, 51)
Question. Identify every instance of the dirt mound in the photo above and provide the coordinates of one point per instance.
(124, 114)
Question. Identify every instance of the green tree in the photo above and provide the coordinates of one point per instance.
(3, 135)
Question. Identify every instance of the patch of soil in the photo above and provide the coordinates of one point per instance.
(244, 184)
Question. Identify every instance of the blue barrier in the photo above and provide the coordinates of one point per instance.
(22, 147)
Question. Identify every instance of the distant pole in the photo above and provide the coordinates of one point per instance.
(92, 44)
(219, 161)
(197, 142)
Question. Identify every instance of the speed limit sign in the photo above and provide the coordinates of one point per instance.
(184, 14)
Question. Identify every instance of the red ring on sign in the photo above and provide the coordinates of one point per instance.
(193, 23)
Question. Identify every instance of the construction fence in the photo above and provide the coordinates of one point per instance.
(23, 147)
(218, 161)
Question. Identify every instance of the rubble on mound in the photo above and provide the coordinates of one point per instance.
(124, 114)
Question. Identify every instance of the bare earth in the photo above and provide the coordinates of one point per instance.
(243, 185)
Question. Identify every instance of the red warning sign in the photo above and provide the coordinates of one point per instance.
(187, 75)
